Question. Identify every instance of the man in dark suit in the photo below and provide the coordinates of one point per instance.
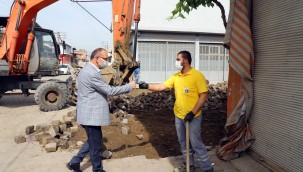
(92, 108)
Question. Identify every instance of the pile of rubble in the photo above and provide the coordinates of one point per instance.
(217, 99)
(54, 136)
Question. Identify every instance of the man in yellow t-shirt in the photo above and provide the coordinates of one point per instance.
(191, 93)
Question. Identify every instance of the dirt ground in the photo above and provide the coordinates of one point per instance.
(158, 128)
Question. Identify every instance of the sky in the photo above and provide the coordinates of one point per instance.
(84, 32)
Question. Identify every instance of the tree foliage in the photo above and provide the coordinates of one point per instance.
(186, 6)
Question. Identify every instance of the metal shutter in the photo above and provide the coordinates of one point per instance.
(152, 58)
(213, 62)
(158, 59)
(277, 116)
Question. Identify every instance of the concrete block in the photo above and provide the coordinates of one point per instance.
(69, 134)
(67, 119)
(51, 131)
(38, 128)
(39, 135)
(20, 139)
(45, 127)
(79, 143)
(75, 124)
(62, 128)
(140, 136)
(29, 129)
(73, 129)
(51, 147)
(72, 113)
(125, 121)
(63, 144)
(107, 154)
(30, 138)
(44, 140)
(125, 130)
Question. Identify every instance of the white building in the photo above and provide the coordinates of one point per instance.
(159, 41)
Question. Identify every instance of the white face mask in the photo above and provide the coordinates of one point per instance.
(104, 65)
(179, 65)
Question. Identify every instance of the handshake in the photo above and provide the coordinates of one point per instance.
(143, 85)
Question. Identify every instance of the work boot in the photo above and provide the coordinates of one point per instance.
(73, 167)
(182, 168)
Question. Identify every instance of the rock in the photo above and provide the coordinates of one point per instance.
(38, 128)
(69, 134)
(125, 130)
(39, 135)
(51, 147)
(62, 128)
(30, 138)
(125, 121)
(45, 127)
(72, 113)
(63, 144)
(29, 129)
(20, 139)
(79, 143)
(140, 136)
(56, 128)
(51, 131)
(56, 122)
(45, 139)
(73, 129)
(68, 119)
(75, 124)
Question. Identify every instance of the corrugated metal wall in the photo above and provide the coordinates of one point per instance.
(277, 116)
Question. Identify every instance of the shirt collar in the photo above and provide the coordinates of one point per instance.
(95, 66)
(188, 73)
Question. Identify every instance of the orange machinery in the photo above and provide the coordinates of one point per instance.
(20, 64)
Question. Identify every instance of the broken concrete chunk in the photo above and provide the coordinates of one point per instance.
(29, 129)
(71, 113)
(68, 119)
(52, 132)
(63, 144)
(125, 130)
(75, 124)
(30, 138)
(68, 134)
(79, 143)
(73, 129)
(45, 127)
(51, 147)
(20, 139)
(45, 139)
(140, 136)
(125, 121)
(40, 134)
(62, 128)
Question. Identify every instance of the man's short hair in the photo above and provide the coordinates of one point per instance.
(92, 56)
(185, 55)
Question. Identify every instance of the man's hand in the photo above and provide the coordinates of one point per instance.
(143, 85)
(189, 117)
(133, 84)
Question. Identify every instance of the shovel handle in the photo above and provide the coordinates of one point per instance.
(187, 146)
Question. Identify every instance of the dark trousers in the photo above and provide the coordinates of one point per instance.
(91, 146)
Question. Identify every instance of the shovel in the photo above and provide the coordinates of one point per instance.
(187, 146)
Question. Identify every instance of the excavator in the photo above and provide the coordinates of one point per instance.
(28, 52)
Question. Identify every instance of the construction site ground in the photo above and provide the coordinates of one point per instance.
(157, 151)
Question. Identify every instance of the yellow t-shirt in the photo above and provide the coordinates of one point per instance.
(187, 89)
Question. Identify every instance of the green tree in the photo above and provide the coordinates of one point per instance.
(188, 5)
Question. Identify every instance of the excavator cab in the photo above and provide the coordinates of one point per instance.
(44, 58)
